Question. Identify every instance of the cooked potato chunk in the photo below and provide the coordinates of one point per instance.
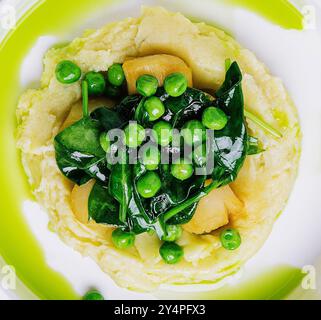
(159, 66)
(213, 211)
(79, 200)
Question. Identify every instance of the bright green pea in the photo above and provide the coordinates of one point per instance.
(93, 295)
(155, 108)
(112, 91)
(214, 118)
(147, 85)
(200, 155)
(151, 158)
(173, 233)
(67, 72)
(123, 239)
(149, 184)
(230, 239)
(171, 252)
(175, 84)
(194, 132)
(115, 75)
(105, 141)
(134, 135)
(163, 133)
(96, 83)
(182, 171)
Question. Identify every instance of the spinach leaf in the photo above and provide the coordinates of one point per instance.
(178, 191)
(230, 144)
(102, 207)
(230, 148)
(108, 118)
(120, 186)
(79, 155)
(127, 107)
(188, 106)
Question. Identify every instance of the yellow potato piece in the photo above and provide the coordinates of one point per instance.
(159, 66)
(79, 200)
(213, 211)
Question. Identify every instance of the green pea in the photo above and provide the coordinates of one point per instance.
(151, 158)
(171, 252)
(134, 135)
(93, 295)
(123, 239)
(182, 171)
(105, 141)
(173, 233)
(115, 75)
(194, 132)
(175, 84)
(112, 91)
(96, 83)
(163, 133)
(155, 108)
(200, 155)
(214, 118)
(230, 239)
(67, 72)
(149, 184)
(147, 85)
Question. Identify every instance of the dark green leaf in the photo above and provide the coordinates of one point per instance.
(102, 207)
(120, 186)
(230, 147)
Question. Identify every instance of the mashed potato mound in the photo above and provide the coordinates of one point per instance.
(264, 183)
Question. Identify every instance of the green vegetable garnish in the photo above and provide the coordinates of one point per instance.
(122, 239)
(175, 84)
(254, 146)
(134, 134)
(148, 195)
(105, 141)
(200, 155)
(85, 106)
(155, 108)
(96, 83)
(265, 126)
(147, 85)
(230, 239)
(149, 184)
(163, 133)
(214, 118)
(151, 158)
(93, 295)
(115, 75)
(182, 171)
(173, 233)
(67, 72)
(171, 253)
(113, 91)
(194, 132)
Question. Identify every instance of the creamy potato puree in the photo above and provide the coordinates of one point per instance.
(263, 186)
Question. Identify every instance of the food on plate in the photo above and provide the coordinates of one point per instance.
(164, 146)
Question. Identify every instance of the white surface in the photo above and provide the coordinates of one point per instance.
(294, 56)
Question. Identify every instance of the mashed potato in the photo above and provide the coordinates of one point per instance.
(264, 183)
